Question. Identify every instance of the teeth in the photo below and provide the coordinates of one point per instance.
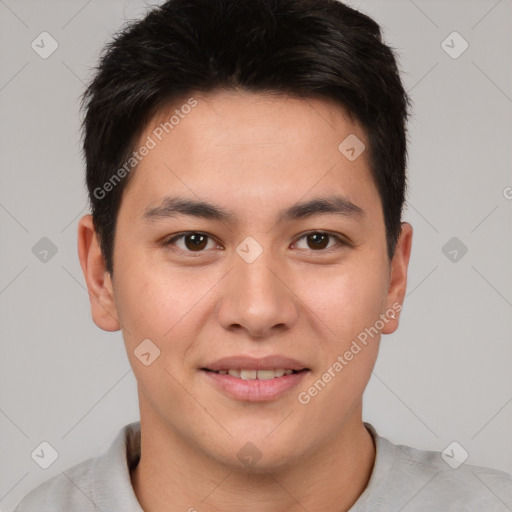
(248, 374)
(255, 374)
(266, 374)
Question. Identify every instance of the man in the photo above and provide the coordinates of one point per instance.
(246, 170)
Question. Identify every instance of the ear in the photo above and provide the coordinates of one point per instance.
(99, 283)
(398, 278)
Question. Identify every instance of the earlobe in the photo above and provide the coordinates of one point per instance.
(398, 279)
(99, 283)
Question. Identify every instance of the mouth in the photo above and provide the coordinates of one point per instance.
(250, 374)
(250, 379)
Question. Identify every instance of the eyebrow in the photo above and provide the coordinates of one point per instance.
(171, 207)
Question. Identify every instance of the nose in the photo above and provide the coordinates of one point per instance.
(258, 298)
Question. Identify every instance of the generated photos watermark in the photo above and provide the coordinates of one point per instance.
(150, 143)
(344, 359)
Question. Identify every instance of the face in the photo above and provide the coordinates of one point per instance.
(248, 242)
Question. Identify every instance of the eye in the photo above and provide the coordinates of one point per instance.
(192, 241)
(319, 240)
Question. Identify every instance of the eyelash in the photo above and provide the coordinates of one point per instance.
(340, 242)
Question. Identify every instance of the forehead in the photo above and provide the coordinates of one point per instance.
(247, 149)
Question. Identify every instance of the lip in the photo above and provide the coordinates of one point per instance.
(255, 390)
(256, 363)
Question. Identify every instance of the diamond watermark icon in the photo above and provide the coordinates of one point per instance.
(351, 147)
(44, 250)
(44, 455)
(249, 454)
(146, 352)
(44, 45)
(454, 249)
(454, 45)
(454, 455)
(249, 250)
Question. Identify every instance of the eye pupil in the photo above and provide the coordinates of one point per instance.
(196, 241)
(319, 240)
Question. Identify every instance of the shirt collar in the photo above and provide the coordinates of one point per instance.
(113, 489)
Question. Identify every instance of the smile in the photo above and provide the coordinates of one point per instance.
(250, 385)
(255, 374)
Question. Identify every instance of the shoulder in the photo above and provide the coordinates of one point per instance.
(98, 483)
(69, 490)
(421, 480)
(454, 482)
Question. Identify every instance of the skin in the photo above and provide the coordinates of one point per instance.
(253, 154)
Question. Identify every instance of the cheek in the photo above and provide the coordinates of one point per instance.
(346, 299)
(153, 303)
(347, 304)
(151, 307)
(167, 307)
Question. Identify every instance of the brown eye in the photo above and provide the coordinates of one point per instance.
(190, 242)
(318, 240)
(195, 241)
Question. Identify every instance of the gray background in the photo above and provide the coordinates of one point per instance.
(444, 376)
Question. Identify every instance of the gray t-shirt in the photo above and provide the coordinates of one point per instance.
(403, 479)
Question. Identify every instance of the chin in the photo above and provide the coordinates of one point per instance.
(258, 454)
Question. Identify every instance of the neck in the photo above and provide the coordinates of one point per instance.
(174, 476)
